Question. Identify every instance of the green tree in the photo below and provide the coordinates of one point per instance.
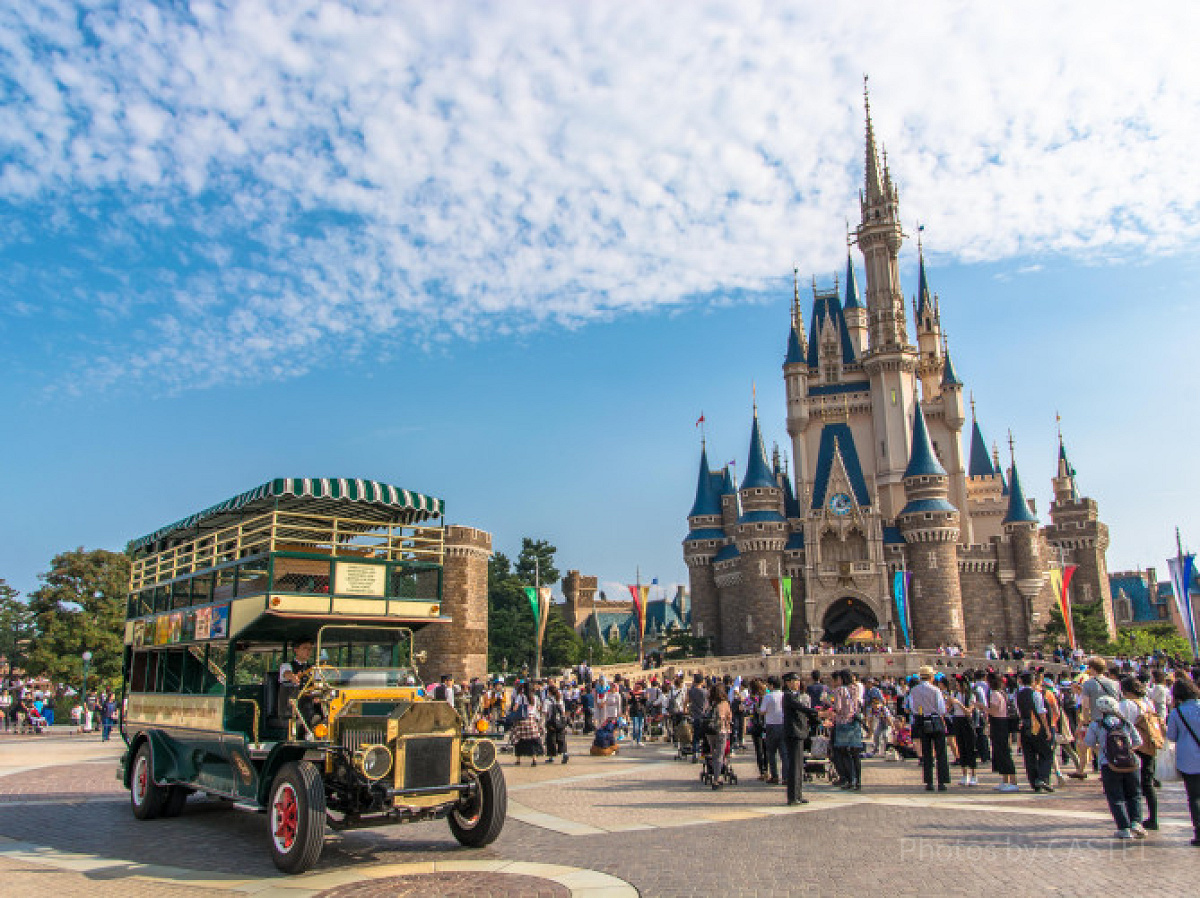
(80, 607)
(544, 571)
(16, 627)
(1137, 641)
(562, 646)
(1091, 631)
(510, 618)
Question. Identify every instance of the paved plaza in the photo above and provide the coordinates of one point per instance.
(639, 823)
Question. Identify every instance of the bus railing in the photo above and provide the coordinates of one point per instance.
(279, 531)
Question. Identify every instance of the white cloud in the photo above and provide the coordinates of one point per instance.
(274, 179)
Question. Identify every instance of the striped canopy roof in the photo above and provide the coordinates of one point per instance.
(366, 499)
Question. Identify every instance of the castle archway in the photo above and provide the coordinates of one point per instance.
(845, 616)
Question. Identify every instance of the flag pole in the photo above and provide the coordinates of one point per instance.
(537, 591)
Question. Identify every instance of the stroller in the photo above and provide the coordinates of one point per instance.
(683, 738)
(726, 776)
(35, 721)
(902, 740)
(816, 761)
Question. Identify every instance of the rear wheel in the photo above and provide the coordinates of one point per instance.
(296, 816)
(145, 796)
(478, 819)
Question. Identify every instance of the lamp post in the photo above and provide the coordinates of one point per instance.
(87, 715)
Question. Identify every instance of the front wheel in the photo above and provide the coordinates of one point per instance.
(296, 816)
(145, 796)
(478, 819)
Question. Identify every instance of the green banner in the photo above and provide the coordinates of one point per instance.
(786, 586)
(534, 603)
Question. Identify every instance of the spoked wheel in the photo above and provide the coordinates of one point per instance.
(296, 817)
(145, 796)
(478, 818)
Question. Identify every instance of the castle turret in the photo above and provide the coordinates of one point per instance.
(890, 360)
(1079, 537)
(954, 416)
(706, 537)
(929, 335)
(930, 527)
(1021, 528)
(795, 383)
(854, 310)
(760, 536)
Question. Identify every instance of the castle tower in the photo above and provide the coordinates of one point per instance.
(929, 335)
(930, 527)
(1078, 537)
(460, 648)
(854, 310)
(985, 488)
(795, 382)
(580, 594)
(1021, 528)
(890, 361)
(760, 535)
(950, 398)
(706, 536)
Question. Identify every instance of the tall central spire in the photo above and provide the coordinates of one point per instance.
(874, 183)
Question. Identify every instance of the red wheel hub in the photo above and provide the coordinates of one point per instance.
(284, 817)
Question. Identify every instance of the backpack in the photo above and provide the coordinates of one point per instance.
(556, 720)
(1150, 728)
(1118, 748)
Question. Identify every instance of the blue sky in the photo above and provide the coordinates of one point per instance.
(507, 253)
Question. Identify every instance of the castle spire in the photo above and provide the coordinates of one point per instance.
(923, 461)
(980, 464)
(758, 471)
(853, 300)
(707, 501)
(874, 183)
(1018, 506)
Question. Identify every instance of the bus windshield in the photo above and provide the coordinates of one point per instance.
(353, 656)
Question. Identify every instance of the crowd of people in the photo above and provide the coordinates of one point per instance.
(1129, 722)
(30, 707)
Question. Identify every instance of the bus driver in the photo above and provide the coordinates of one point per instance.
(291, 673)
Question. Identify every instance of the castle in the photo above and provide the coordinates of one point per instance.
(882, 484)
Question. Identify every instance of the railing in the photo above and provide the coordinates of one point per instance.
(280, 531)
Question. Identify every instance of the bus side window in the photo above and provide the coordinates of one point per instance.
(192, 678)
(214, 672)
(170, 670)
(141, 676)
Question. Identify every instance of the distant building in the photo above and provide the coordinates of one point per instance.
(1140, 599)
(882, 484)
(608, 621)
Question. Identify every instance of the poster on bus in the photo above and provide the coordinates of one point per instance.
(162, 629)
(189, 626)
(139, 633)
(203, 623)
(176, 625)
(220, 622)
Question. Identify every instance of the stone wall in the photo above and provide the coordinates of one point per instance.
(460, 648)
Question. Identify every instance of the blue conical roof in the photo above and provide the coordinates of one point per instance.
(923, 460)
(707, 501)
(853, 300)
(791, 506)
(949, 375)
(1018, 507)
(829, 306)
(924, 303)
(981, 462)
(795, 352)
(758, 472)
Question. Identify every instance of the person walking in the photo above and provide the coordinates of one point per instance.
(928, 707)
(961, 705)
(1035, 733)
(1002, 759)
(721, 716)
(554, 715)
(697, 707)
(799, 719)
(108, 716)
(772, 713)
(847, 741)
(1183, 728)
(1139, 713)
(1115, 743)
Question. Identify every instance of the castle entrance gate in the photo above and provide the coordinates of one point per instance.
(844, 617)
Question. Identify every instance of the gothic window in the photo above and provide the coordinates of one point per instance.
(749, 624)
(1087, 592)
(1124, 608)
(933, 562)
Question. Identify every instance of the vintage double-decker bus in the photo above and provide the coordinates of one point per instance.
(269, 660)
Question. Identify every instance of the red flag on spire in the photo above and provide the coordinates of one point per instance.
(700, 420)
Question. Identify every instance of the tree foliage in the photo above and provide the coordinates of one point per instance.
(16, 627)
(80, 607)
(1091, 631)
(1156, 638)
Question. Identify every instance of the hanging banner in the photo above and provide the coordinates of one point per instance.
(641, 595)
(1182, 571)
(900, 591)
(535, 604)
(1060, 582)
(786, 592)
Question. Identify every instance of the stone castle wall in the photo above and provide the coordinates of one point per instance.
(460, 648)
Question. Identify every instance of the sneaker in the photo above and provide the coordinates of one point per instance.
(974, 781)
(928, 788)
(1138, 831)
(966, 781)
(1196, 841)
(943, 788)
(1123, 834)
(565, 759)
(1150, 824)
(999, 787)
(1010, 787)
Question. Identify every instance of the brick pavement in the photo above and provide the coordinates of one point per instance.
(690, 840)
(462, 884)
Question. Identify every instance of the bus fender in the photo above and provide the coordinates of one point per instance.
(283, 753)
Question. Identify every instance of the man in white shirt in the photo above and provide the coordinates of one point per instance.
(772, 711)
(928, 706)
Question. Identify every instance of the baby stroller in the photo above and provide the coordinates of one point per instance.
(35, 721)
(726, 776)
(902, 740)
(683, 739)
(816, 762)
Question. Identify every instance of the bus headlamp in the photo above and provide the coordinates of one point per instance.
(373, 761)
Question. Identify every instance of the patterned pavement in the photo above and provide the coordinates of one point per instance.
(640, 817)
